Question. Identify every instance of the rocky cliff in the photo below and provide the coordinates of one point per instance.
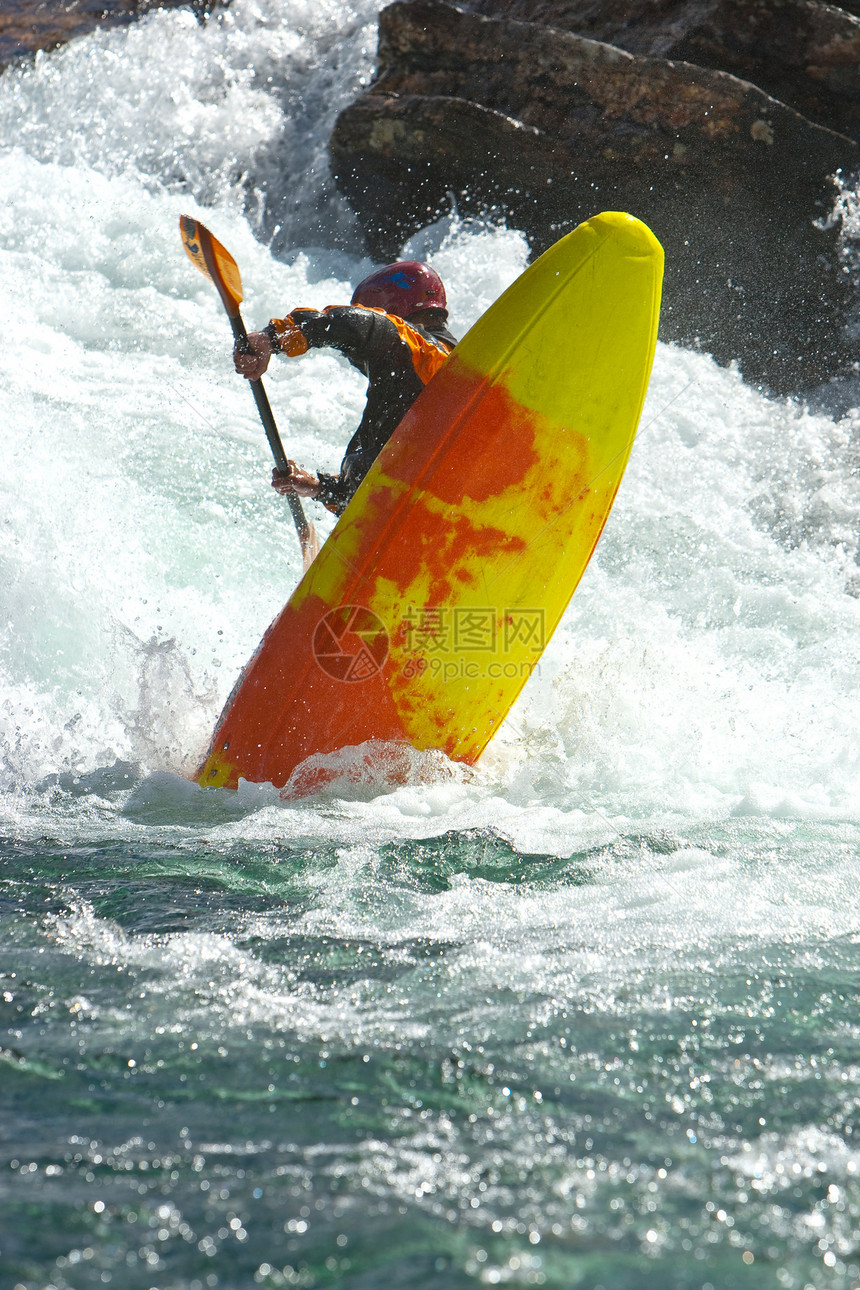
(721, 123)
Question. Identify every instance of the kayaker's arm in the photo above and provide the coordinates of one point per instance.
(366, 337)
(348, 330)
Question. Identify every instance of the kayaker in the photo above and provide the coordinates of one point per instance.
(394, 330)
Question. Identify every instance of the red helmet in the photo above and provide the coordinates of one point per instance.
(401, 289)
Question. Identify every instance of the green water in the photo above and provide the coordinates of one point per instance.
(435, 1062)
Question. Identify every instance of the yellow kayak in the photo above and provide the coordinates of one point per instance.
(430, 604)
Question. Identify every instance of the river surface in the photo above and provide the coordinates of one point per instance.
(584, 1016)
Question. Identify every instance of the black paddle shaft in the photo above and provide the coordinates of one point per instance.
(266, 416)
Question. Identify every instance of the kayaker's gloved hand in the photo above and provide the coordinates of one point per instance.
(254, 364)
(297, 480)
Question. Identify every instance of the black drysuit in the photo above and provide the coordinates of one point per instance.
(398, 359)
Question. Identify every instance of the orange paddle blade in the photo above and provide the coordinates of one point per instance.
(213, 260)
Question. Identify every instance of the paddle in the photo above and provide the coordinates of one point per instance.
(217, 264)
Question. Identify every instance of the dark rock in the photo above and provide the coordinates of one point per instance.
(803, 52)
(546, 127)
(26, 26)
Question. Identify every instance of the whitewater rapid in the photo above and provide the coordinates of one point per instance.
(709, 658)
(582, 1015)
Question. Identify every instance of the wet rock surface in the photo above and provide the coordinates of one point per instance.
(547, 124)
(26, 26)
